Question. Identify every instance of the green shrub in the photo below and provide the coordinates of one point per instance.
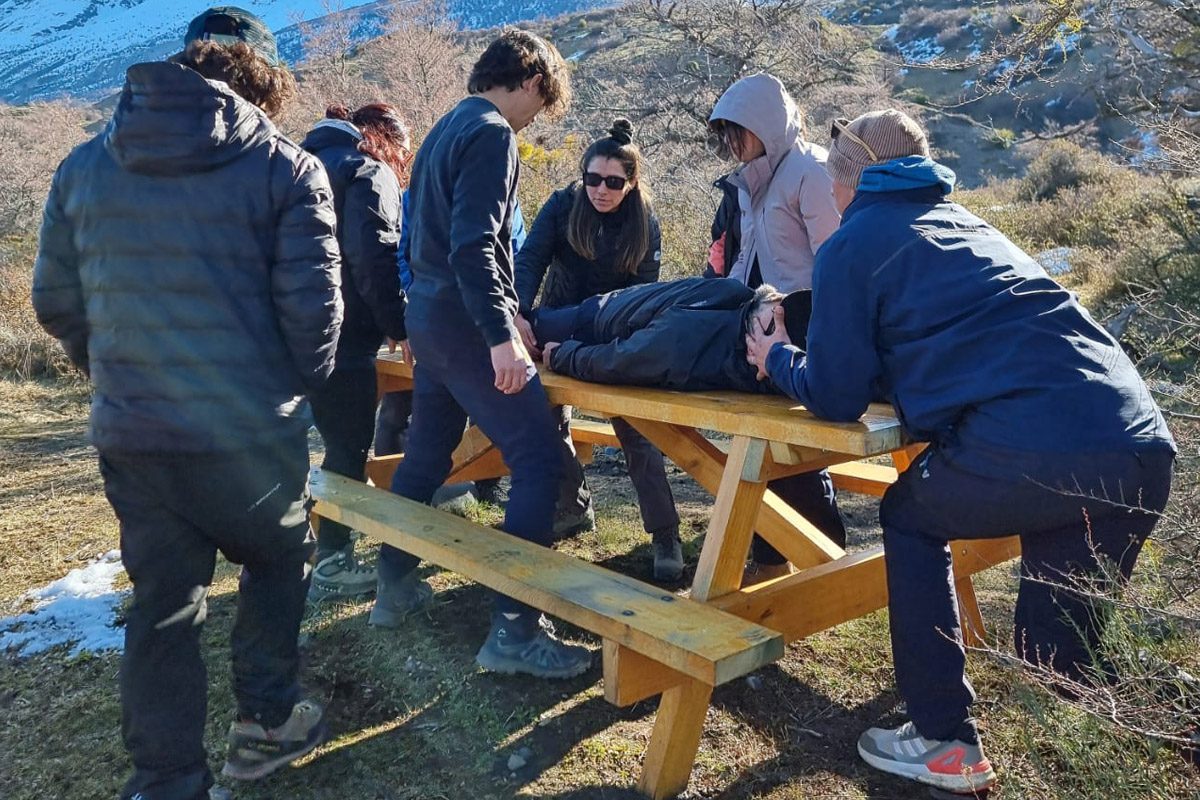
(1063, 165)
(1003, 138)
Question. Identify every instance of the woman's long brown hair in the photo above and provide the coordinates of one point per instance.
(385, 135)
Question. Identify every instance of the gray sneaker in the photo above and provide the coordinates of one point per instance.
(396, 599)
(668, 555)
(339, 574)
(255, 752)
(952, 766)
(541, 655)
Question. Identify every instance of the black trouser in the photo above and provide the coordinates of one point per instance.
(647, 471)
(176, 512)
(812, 495)
(1067, 509)
(453, 378)
(344, 410)
(391, 429)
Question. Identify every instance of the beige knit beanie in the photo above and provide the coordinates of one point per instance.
(872, 139)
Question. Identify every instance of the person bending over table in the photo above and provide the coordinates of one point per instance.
(469, 357)
(597, 235)
(685, 335)
(1037, 422)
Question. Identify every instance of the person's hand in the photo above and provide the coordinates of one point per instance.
(547, 352)
(762, 338)
(511, 364)
(525, 330)
(406, 353)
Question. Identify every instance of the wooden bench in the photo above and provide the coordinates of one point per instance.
(770, 437)
(683, 636)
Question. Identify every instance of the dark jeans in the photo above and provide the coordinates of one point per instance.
(575, 322)
(1068, 509)
(812, 495)
(176, 512)
(344, 410)
(453, 379)
(391, 428)
(647, 471)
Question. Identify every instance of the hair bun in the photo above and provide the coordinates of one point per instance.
(622, 131)
(337, 111)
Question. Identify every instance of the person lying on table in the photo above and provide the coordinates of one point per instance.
(686, 335)
(1037, 422)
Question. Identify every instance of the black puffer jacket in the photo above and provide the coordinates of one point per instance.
(366, 196)
(572, 277)
(684, 335)
(188, 262)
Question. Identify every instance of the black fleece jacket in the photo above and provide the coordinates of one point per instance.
(463, 195)
(366, 196)
(572, 277)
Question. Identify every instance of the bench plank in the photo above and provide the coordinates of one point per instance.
(689, 637)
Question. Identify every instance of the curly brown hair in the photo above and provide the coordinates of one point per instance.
(516, 57)
(250, 77)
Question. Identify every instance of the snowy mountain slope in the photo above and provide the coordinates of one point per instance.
(50, 48)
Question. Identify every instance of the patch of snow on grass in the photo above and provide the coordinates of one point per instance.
(1056, 261)
(79, 608)
(921, 51)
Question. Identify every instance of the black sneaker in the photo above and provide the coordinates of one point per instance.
(568, 525)
(668, 555)
(255, 752)
(541, 654)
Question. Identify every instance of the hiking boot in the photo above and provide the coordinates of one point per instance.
(568, 525)
(255, 752)
(339, 574)
(952, 766)
(668, 555)
(219, 793)
(488, 491)
(454, 498)
(396, 598)
(761, 573)
(510, 650)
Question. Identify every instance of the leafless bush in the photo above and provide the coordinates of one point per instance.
(34, 139)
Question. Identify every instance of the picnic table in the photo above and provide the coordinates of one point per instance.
(761, 438)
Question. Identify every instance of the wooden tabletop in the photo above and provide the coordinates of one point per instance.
(763, 416)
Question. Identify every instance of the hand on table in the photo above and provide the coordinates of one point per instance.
(525, 330)
(512, 365)
(762, 338)
(547, 353)
(405, 350)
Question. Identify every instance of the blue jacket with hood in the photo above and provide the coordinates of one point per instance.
(920, 301)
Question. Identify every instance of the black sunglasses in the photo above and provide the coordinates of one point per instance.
(614, 182)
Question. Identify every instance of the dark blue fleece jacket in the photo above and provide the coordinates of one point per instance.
(917, 299)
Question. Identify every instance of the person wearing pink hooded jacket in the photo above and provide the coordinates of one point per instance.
(784, 192)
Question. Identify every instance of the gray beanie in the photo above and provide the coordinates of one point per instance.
(872, 139)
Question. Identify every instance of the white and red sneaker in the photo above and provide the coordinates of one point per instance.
(952, 766)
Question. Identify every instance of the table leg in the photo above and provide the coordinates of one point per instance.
(731, 526)
(675, 740)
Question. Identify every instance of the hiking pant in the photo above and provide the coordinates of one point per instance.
(812, 495)
(1070, 510)
(344, 411)
(647, 471)
(176, 511)
(453, 379)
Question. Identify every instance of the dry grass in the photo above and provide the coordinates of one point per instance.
(411, 715)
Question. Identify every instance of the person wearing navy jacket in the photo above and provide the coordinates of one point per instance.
(1037, 422)
(469, 357)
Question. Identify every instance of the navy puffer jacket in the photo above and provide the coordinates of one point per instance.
(188, 263)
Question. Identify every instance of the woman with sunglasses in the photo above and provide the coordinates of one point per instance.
(776, 212)
(366, 156)
(595, 236)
